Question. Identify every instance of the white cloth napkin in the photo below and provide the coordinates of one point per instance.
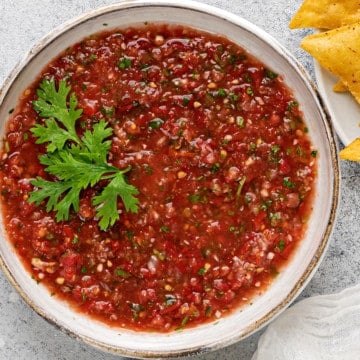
(318, 328)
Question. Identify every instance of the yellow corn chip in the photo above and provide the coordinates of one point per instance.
(340, 87)
(326, 14)
(352, 151)
(338, 51)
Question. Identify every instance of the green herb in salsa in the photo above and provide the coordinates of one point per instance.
(76, 162)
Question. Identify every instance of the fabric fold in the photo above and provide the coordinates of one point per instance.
(319, 327)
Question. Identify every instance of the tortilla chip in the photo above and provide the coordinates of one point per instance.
(326, 14)
(338, 51)
(352, 151)
(340, 87)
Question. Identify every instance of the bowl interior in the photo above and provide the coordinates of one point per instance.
(289, 283)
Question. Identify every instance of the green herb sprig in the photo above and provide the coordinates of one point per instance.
(76, 162)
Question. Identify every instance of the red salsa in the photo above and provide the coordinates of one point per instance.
(219, 153)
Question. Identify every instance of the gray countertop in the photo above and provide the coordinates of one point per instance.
(23, 333)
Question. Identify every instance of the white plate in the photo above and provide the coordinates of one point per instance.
(342, 107)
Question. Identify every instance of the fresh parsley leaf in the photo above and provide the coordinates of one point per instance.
(98, 148)
(107, 200)
(76, 163)
(52, 104)
(45, 187)
(67, 165)
(55, 136)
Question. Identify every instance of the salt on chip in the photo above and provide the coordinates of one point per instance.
(326, 14)
(338, 51)
(352, 151)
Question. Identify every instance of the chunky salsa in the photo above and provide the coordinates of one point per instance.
(222, 161)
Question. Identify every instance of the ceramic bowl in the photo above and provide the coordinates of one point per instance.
(288, 284)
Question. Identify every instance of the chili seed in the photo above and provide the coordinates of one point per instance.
(60, 280)
(181, 174)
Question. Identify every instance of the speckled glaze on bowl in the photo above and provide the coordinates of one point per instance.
(288, 284)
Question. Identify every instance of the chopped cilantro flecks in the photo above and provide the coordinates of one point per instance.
(156, 123)
(287, 182)
(124, 63)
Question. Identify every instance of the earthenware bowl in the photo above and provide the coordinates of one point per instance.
(288, 284)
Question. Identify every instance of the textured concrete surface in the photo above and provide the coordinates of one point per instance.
(23, 333)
